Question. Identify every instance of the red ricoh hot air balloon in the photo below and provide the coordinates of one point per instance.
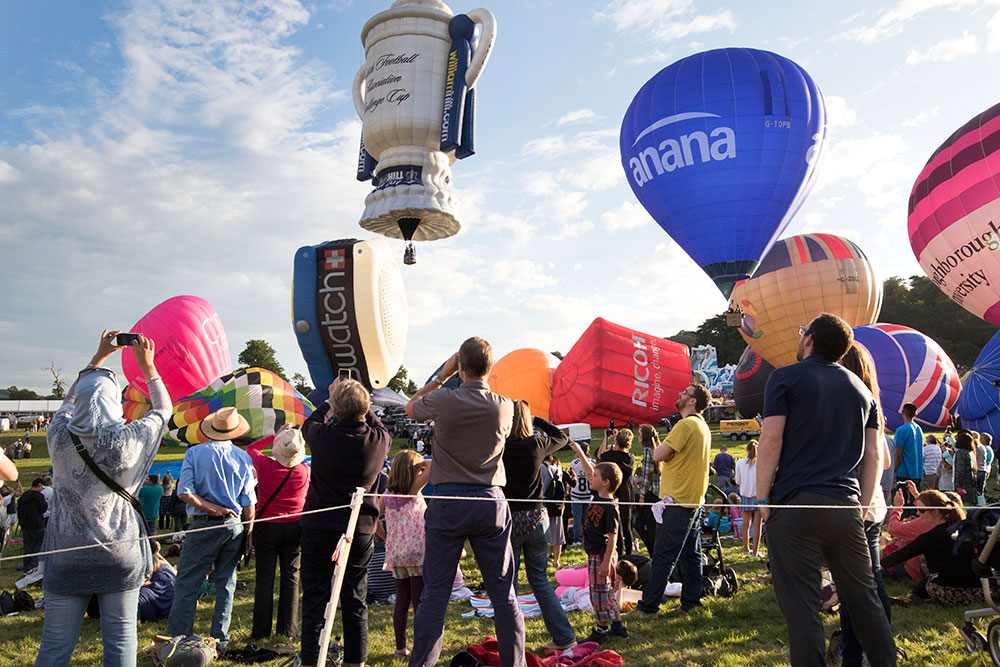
(614, 372)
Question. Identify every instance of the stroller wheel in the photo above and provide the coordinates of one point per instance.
(993, 640)
(974, 640)
(734, 585)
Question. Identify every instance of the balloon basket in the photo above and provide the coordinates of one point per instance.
(734, 319)
(410, 254)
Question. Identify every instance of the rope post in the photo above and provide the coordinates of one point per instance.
(340, 556)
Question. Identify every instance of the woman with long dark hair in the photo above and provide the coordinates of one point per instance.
(648, 490)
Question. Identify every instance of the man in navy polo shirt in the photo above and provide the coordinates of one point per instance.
(819, 446)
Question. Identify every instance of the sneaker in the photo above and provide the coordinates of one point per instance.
(638, 615)
(618, 630)
(598, 636)
(30, 577)
(553, 646)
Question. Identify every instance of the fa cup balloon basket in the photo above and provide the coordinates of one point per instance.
(416, 98)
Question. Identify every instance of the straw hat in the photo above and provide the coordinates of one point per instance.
(224, 424)
(289, 448)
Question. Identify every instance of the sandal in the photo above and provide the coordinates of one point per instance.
(401, 654)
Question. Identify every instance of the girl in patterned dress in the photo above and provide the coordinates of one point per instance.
(404, 539)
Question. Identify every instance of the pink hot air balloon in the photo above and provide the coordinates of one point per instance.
(191, 346)
(955, 213)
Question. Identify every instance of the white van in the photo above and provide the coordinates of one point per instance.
(576, 432)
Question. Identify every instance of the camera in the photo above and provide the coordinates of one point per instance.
(123, 339)
(344, 374)
(996, 383)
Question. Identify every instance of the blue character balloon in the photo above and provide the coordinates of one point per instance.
(721, 149)
(979, 403)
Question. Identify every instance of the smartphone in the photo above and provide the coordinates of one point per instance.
(123, 339)
(345, 374)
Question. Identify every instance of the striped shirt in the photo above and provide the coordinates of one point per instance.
(932, 459)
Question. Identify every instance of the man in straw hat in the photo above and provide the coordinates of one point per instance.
(217, 483)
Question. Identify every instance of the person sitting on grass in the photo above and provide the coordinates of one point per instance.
(600, 537)
(952, 581)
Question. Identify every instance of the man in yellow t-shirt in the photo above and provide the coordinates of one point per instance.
(683, 460)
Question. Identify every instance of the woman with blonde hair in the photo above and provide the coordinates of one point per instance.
(746, 479)
(952, 581)
(858, 361)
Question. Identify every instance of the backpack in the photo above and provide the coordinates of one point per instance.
(23, 601)
(6, 603)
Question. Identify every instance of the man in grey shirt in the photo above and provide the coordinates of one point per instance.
(471, 424)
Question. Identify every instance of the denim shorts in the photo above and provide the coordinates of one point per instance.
(748, 503)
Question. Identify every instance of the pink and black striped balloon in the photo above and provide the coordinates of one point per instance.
(954, 216)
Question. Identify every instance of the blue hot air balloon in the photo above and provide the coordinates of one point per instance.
(721, 148)
(979, 402)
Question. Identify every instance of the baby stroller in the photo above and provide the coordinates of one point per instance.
(981, 528)
(717, 579)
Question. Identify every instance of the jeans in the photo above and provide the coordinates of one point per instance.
(535, 548)
(64, 618)
(203, 550)
(486, 525)
(32, 545)
(980, 485)
(579, 507)
(678, 543)
(276, 543)
(318, 545)
(852, 651)
(800, 541)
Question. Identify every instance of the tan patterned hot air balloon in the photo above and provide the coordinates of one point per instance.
(801, 277)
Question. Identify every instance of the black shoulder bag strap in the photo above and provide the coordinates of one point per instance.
(268, 501)
(110, 483)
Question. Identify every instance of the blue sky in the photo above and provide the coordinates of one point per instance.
(164, 147)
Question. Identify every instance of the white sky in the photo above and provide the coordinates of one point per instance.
(164, 147)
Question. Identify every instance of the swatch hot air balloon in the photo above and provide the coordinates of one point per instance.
(191, 346)
(613, 372)
(911, 368)
(979, 402)
(262, 397)
(721, 148)
(802, 277)
(525, 374)
(954, 216)
(749, 382)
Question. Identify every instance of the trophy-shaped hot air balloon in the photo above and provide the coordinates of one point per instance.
(416, 99)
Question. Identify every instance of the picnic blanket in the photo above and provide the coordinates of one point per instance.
(481, 606)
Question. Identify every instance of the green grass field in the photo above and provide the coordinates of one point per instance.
(746, 629)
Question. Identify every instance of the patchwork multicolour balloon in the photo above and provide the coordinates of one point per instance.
(721, 148)
(134, 404)
(801, 277)
(954, 216)
(911, 368)
(262, 397)
(979, 403)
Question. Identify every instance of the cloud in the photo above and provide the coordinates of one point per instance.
(873, 163)
(946, 50)
(521, 274)
(664, 20)
(839, 113)
(8, 174)
(892, 21)
(993, 34)
(921, 118)
(576, 116)
(627, 216)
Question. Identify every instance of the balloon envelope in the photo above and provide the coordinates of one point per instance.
(911, 368)
(954, 215)
(749, 382)
(262, 397)
(720, 147)
(801, 277)
(191, 346)
(525, 374)
(979, 402)
(613, 372)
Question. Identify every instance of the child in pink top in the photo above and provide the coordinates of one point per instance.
(404, 537)
(736, 515)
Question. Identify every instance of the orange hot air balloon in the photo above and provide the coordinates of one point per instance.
(801, 277)
(525, 374)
